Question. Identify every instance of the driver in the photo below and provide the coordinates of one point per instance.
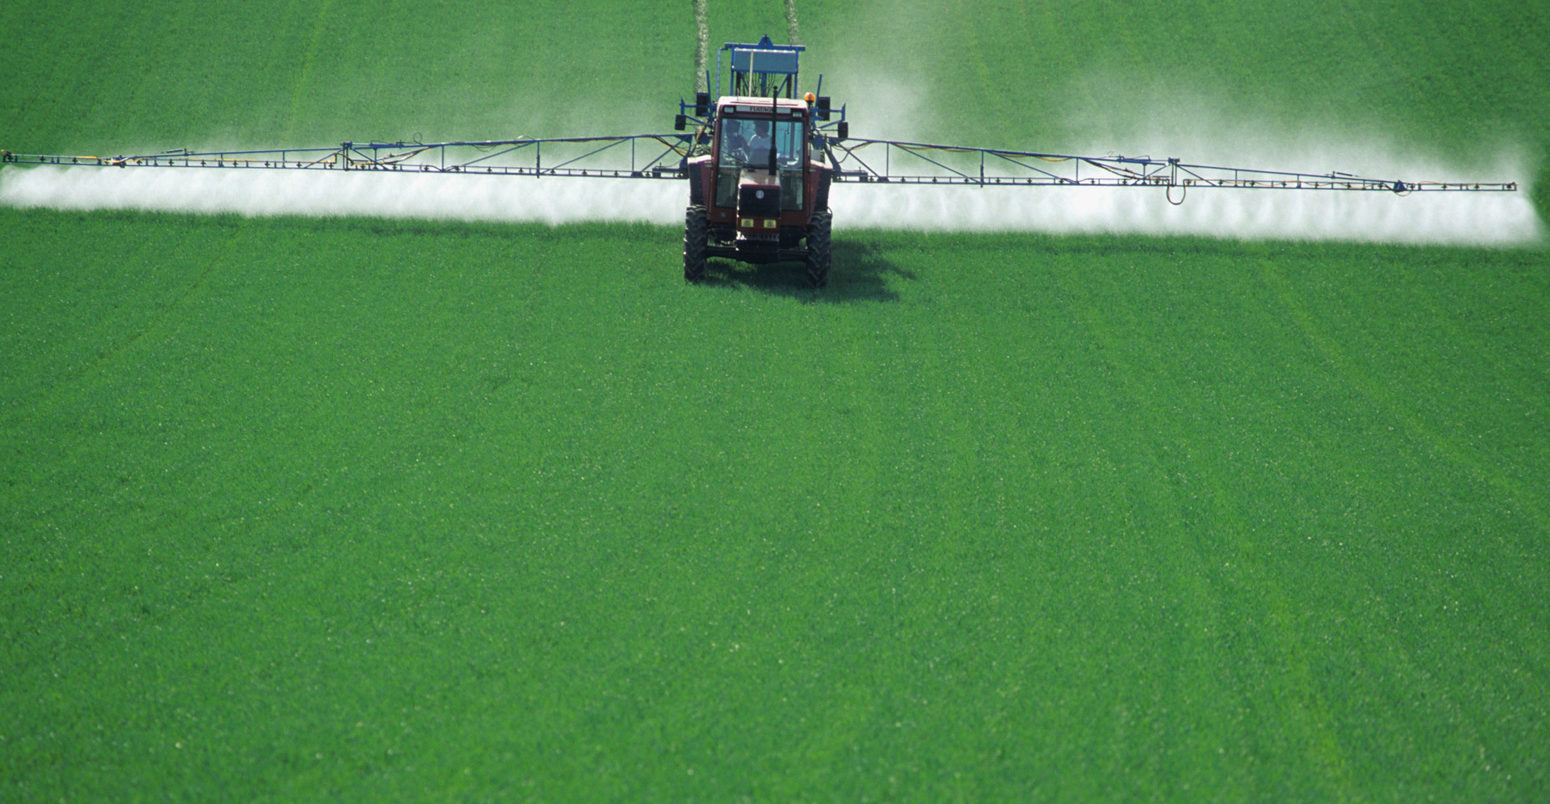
(758, 146)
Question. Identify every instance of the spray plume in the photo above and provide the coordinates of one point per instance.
(1498, 219)
(337, 194)
(888, 107)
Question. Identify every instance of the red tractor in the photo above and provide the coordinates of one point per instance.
(761, 193)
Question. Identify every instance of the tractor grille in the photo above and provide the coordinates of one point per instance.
(758, 202)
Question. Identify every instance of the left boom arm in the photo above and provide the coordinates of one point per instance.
(650, 156)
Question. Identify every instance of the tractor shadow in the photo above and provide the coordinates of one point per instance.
(858, 273)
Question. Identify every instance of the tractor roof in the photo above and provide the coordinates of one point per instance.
(754, 104)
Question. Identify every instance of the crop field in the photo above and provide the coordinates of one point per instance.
(361, 508)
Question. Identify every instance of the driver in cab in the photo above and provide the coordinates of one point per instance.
(756, 142)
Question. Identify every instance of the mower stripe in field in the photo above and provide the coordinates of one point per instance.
(1160, 500)
(793, 36)
(1385, 403)
(49, 394)
(1299, 698)
(1400, 650)
(1187, 567)
(304, 81)
(1369, 587)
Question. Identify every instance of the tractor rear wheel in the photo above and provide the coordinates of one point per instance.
(696, 231)
(818, 248)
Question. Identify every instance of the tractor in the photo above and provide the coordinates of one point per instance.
(761, 192)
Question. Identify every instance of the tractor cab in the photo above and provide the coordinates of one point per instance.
(759, 162)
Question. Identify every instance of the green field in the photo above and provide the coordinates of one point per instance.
(354, 508)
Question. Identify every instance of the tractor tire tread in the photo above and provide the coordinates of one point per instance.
(696, 233)
(819, 251)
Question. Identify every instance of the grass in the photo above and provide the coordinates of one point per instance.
(356, 508)
(316, 516)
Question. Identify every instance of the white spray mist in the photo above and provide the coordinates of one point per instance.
(336, 193)
(1495, 219)
(1467, 218)
(1166, 120)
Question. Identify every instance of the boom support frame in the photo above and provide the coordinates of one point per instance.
(856, 160)
(650, 156)
(902, 162)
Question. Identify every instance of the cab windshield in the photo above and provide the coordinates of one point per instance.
(747, 143)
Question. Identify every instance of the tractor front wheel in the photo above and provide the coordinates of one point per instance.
(696, 231)
(818, 248)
